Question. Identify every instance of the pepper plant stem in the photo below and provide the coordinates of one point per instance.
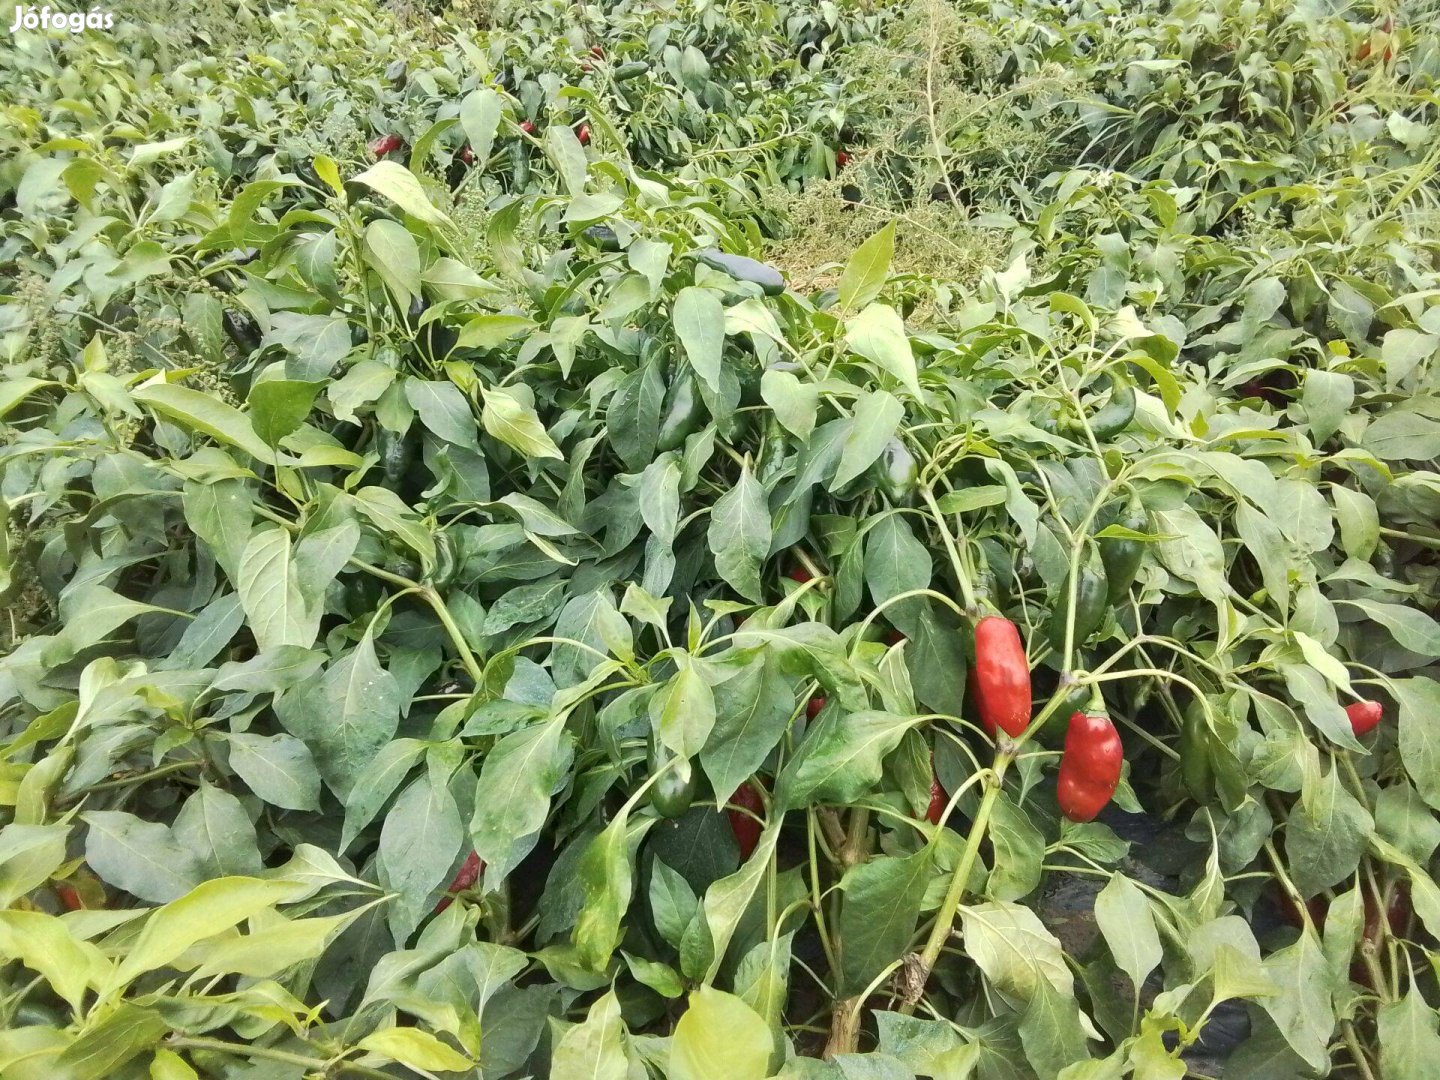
(945, 917)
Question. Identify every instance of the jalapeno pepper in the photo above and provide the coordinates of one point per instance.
(680, 413)
(672, 794)
(1115, 416)
(1122, 557)
(1196, 767)
(1091, 602)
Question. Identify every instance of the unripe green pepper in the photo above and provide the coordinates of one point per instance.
(398, 452)
(671, 795)
(1115, 416)
(1196, 767)
(632, 70)
(1091, 603)
(680, 413)
(1122, 557)
(896, 472)
(446, 564)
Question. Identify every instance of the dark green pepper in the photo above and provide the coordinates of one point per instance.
(398, 452)
(446, 563)
(896, 473)
(1091, 602)
(603, 237)
(742, 269)
(1117, 413)
(362, 594)
(402, 567)
(1196, 767)
(671, 796)
(681, 413)
(241, 330)
(1121, 556)
(519, 165)
(632, 70)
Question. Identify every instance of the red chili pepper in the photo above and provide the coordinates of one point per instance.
(386, 144)
(1090, 766)
(1001, 677)
(583, 134)
(587, 67)
(799, 573)
(596, 51)
(1363, 53)
(814, 705)
(527, 126)
(939, 799)
(69, 897)
(469, 873)
(745, 827)
(841, 159)
(467, 155)
(894, 637)
(1364, 715)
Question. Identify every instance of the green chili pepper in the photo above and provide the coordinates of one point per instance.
(743, 269)
(603, 237)
(519, 165)
(398, 451)
(241, 330)
(1091, 603)
(1121, 556)
(1196, 767)
(632, 70)
(1117, 413)
(680, 414)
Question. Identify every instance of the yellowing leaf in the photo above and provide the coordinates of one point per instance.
(415, 1048)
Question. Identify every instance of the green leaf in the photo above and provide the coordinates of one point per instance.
(393, 254)
(794, 403)
(516, 425)
(1409, 1044)
(418, 844)
(278, 768)
(1013, 948)
(512, 798)
(1419, 700)
(841, 757)
(877, 416)
(699, 321)
(605, 874)
(376, 784)
(1411, 627)
(867, 269)
(279, 406)
(221, 513)
(1302, 1009)
(141, 857)
(684, 711)
(1019, 850)
(594, 1049)
(878, 917)
(896, 563)
(274, 608)
(1127, 922)
(739, 535)
(210, 908)
(1324, 840)
(878, 334)
(753, 705)
(416, 1049)
(480, 113)
(719, 1035)
(444, 410)
(401, 187)
(214, 826)
(568, 156)
(346, 715)
(45, 944)
(206, 414)
(1051, 1031)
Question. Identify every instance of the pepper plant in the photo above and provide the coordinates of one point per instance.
(467, 615)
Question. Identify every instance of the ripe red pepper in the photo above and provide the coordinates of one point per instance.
(587, 66)
(1090, 765)
(596, 51)
(469, 873)
(386, 144)
(1364, 715)
(1001, 677)
(467, 155)
(799, 573)
(841, 160)
(583, 134)
(69, 897)
(939, 798)
(894, 637)
(745, 827)
(1363, 53)
(814, 705)
(527, 126)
